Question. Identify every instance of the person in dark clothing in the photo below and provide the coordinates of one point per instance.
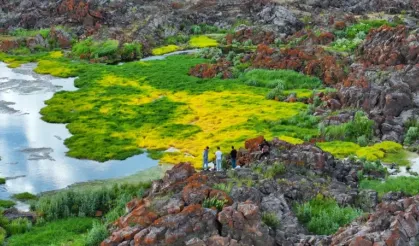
(264, 147)
(233, 155)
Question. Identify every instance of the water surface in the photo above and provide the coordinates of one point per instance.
(32, 151)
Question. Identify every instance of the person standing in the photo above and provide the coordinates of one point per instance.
(218, 158)
(233, 155)
(205, 157)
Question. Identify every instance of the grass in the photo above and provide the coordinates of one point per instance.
(270, 220)
(274, 170)
(226, 187)
(202, 42)
(25, 196)
(408, 185)
(323, 216)
(61, 232)
(7, 203)
(339, 149)
(165, 49)
(214, 203)
(286, 79)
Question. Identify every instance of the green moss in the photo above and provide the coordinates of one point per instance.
(61, 232)
(408, 185)
(2, 180)
(25, 196)
(7, 203)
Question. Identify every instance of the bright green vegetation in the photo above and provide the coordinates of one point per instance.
(108, 51)
(19, 226)
(323, 216)
(214, 203)
(97, 234)
(205, 28)
(408, 185)
(339, 149)
(226, 187)
(7, 203)
(2, 180)
(25, 196)
(285, 79)
(86, 202)
(352, 36)
(271, 220)
(412, 135)
(69, 232)
(351, 131)
(371, 168)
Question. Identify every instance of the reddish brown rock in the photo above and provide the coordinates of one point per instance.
(195, 193)
(253, 144)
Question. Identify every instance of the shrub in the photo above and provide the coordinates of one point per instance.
(214, 203)
(3, 235)
(270, 220)
(373, 167)
(131, 51)
(7, 203)
(84, 203)
(97, 234)
(108, 48)
(362, 141)
(274, 170)
(339, 149)
(351, 131)
(24, 196)
(19, 226)
(412, 135)
(323, 216)
(2, 180)
(276, 94)
(224, 187)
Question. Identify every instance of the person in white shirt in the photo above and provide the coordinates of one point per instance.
(218, 158)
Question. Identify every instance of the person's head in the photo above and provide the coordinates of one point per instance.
(218, 148)
(207, 147)
(232, 147)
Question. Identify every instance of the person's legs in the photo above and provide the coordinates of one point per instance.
(233, 163)
(205, 164)
(218, 165)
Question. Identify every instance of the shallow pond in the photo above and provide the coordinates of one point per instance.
(32, 151)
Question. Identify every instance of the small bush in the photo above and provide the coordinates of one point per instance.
(224, 187)
(274, 170)
(412, 135)
(7, 203)
(214, 203)
(25, 196)
(97, 234)
(323, 216)
(131, 51)
(362, 141)
(19, 226)
(2, 180)
(351, 131)
(270, 220)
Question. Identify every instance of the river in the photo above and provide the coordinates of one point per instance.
(33, 154)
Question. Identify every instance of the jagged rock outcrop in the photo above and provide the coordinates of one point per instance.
(393, 223)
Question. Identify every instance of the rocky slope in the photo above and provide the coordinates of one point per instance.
(174, 211)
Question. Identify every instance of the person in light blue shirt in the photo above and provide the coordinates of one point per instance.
(218, 158)
(205, 156)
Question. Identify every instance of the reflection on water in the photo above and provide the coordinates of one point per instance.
(31, 150)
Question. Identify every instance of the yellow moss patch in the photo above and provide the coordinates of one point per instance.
(165, 49)
(202, 42)
(54, 68)
(291, 140)
(56, 54)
